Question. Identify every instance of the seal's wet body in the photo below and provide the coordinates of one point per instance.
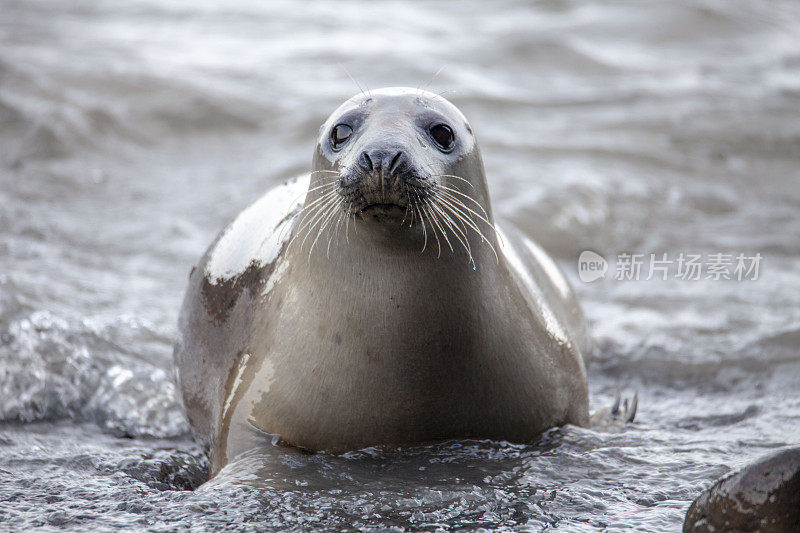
(383, 308)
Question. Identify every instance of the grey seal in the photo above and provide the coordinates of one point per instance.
(375, 301)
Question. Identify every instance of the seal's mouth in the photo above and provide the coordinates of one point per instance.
(381, 212)
(380, 196)
(382, 207)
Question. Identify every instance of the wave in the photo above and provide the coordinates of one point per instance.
(54, 369)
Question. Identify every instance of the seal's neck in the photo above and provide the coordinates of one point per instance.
(376, 261)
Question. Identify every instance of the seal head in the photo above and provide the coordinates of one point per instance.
(390, 151)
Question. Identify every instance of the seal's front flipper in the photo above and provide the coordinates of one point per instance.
(621, 412)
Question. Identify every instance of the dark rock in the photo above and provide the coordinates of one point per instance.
(763, 496)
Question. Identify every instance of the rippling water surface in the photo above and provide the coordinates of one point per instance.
(131, 132)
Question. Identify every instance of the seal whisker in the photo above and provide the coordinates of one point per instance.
(309, 210)
(312, 219)
(316, 201)
(433, 78)
(318, 212)
(434, 223)
(410, 203)
(315, 188)
(468, 220)
(437, 197)
(424, 230)
(461, 204)
(406, 213)
(354, 80)
(441, 93)
(458, 209)
(323, 181)
(327, 175)
(342, 219)
(421, 89)
(423, 212)
(453, 176)
(434, 220)
(468, 197)
(453, 225)
(347, 223)
(454, 216)
(330, 212)
(456, 229)
(323, 186)
(335, 230)
(437, 211)
(296, 198)
(330, 178)
(327, 217)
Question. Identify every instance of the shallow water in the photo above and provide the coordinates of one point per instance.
(130, 133)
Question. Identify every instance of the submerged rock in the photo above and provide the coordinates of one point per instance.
(763, 496)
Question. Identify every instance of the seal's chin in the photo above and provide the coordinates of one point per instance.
(383, 213)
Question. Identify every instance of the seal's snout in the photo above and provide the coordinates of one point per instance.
(378, 160)
(381, 163)
(379, 178)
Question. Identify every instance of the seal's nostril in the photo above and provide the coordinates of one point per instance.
(365, 162)
(395, 162)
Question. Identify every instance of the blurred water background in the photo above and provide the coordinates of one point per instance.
(131, 132)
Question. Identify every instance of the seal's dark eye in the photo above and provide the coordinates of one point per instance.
(443, 136)
(339, 135)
